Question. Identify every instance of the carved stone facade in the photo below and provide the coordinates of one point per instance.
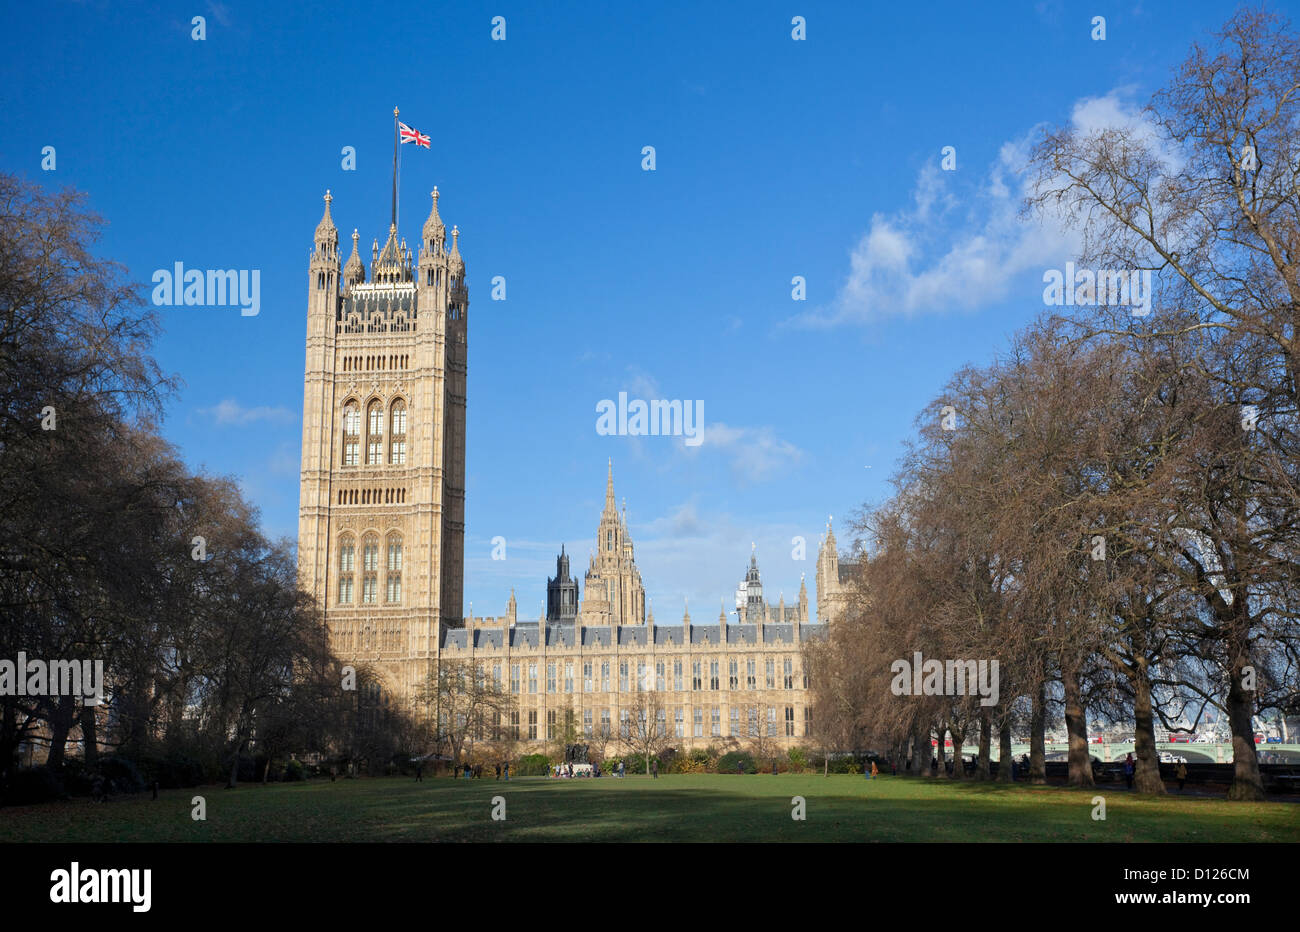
(382, 494)
(381, 534)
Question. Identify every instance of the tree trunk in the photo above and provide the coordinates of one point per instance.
(90, 739)
(1076, 728)
(1246, 782)
(266, 769)
(1004, 750)
(941, 771)
(986, 745)
(1037, 730)
(958, 760)
(1147, 778)
(234, 765)
(60, 724)
(920, 751)
(8, 741)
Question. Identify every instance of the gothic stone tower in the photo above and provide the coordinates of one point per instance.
(612, 591)
(382, 498)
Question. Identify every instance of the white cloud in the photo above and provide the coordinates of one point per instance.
(928, 258)
(683, 522)
(756, 452)
(230, 412)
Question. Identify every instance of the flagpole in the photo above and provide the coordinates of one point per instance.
(395, 147)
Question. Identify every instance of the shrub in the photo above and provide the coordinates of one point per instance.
(798, 759)
(294, 771)
(845, 765)
(121, 775)
(175, 769)
(534, 765)
(694, 762)
(737, 760)
(77, 780)
(34, 785)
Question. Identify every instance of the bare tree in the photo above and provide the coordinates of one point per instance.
(648, 733)
(467, 701)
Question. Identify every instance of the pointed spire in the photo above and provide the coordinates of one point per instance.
(610, 507)
(722, 611)
(355, 271)
(455, 258)
(434, 233)
(686, 618)
(325, 230)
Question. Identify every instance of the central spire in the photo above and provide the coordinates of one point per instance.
(610, 506)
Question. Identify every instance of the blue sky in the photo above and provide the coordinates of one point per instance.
(774, 158)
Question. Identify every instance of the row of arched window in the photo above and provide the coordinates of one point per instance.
(359, 574)
(367, 363)
(390, 496)
(373, 439)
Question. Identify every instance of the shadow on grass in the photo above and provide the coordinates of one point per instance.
(688, 808)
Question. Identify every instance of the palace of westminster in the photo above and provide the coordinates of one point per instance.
(382, 534)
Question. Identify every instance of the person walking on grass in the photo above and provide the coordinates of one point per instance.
(1129, 769)
(654, 768)
(874, 771)
(1181, 774)
(419, 772)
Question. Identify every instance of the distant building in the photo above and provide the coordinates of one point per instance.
(381, 534)
(719, 683)
(562, 593)
(834, 581)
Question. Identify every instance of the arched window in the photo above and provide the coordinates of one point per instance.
(347, 565)
(369, 569)
(394, 582)
(351, 433)
(374, 434)
(397, 434)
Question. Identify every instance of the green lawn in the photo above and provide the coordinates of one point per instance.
(672, 808)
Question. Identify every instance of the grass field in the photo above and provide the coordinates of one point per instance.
(753, 808)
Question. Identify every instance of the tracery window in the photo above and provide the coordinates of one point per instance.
(397, 435)
(351, 433)
(374, 434)
(394, 580)
(369, 569)
(347, 560)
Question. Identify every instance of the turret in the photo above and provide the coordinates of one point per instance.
(354, 273)
(323, 278)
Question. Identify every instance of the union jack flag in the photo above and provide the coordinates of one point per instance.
(412, 135)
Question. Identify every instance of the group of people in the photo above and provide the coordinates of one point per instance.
(566, 771)
(1130, 770)
(466, 771)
